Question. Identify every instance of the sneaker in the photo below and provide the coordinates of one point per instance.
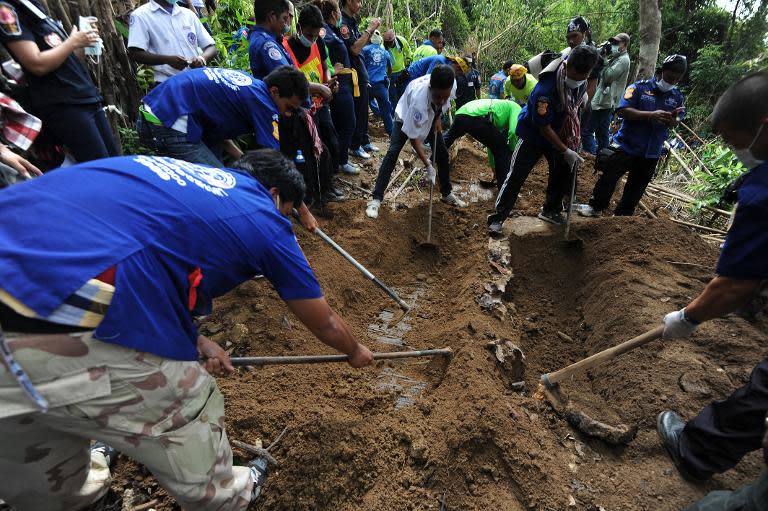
(372, 211)
(554, 218)
(334, 195)
(109, 453)
(454, 201)
(495, 227)
(586, 210)
(360, 153)
(351, 169)
(669, 426)
(370, 148)
(259, 471)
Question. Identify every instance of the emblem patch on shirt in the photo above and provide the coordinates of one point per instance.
(417, 117)
(671, 101)
(629, 92)
(321, 34)
(542, 106)
(9, 21)
(235, 78)
(53, 40)
(274, 53)
(275, 130)
(131, 19)
(344, 32)
(192, 38)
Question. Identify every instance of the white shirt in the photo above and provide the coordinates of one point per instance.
(155, 30)
(415, 110)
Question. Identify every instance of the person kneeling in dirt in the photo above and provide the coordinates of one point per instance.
(721, 434)
(649, 109)
(417, 118)
(492, 122)
(549, 127)
(128, 270)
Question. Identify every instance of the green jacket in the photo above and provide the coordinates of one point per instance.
(612, 82)
(425, 50)
(401, 53)
(503, 113)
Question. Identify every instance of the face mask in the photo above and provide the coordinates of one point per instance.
(574, 84)
(745, 155)
(286, 29)
(664, 86)
(338, 23)
(306, 42)
(614, 48)
(583, 43)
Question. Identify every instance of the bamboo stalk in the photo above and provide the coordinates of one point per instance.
(697, 226)
(674, 154)
(685, 198)
(647, 210)
(692, 132)
(692, 152)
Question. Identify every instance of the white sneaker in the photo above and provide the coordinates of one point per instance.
(452, 200)
(372, 211)
(586, 210)
(351, 169)
(360, 153)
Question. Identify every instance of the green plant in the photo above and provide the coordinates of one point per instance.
(145, 77)
(724, 167)
(129, 141)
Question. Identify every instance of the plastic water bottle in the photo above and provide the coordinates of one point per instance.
(299, 160)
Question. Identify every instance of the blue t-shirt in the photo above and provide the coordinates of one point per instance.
(376, 60)
(219, 104)
(156, 220)
(646, 138)
(265, 53)
(496, 85)
(543, 108)
(745, 252)
(423, 67)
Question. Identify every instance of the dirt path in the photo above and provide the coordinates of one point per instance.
(399, 436)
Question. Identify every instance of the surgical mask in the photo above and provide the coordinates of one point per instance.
(306, 42)
(745, 155)
(574, 84)
(614, 48)
(339, 23)
(286, 29)
(664, 86)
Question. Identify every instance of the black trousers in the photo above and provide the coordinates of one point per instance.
(641, 172)
(524, 158)
(396, 144)
(752, 497)
(483, 130)
(723, 432)
(83, 129)
(360, 137)
(328, 135)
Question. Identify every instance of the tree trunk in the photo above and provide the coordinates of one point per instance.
(650, 37)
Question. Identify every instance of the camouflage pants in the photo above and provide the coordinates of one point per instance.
(166, 414)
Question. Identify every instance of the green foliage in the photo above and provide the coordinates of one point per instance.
(129, 141)
(456, 24)
(121, 28)
(145, 77)
(724, 168)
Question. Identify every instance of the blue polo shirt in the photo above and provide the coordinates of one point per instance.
(265, 53)
(423, 67)
(376, 60)
(219, 104)
(158, 221)
(543, 108)
(496, 85)
(745, 252)
(646, 138)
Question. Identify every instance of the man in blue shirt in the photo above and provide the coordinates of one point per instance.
(425, 66)
(176, 236)
(265, 48)
(548, 126)
(378, 61)
(496, 83)
(721, 434)
(649, 109)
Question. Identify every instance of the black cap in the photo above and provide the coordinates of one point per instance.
(578, 24)
(676, 61)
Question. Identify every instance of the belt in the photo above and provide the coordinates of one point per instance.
(355, 83)
(148, 116)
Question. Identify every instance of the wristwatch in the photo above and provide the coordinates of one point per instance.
(368, 31)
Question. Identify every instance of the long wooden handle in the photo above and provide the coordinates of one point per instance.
(322, 359)
(603, 356)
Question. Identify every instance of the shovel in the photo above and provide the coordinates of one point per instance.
(575, 242)
(428, 247)
(323, 359)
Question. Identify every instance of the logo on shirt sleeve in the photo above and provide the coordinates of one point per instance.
(344, 32)
(321, 34)
(418, 117)
(9, 21)
(630, 92)
(53, 40)
(542, 106)
(273, 52)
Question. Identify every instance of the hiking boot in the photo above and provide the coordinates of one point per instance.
(586, 210)
(370, 148)
(552, 217)
(669, 426)
(454, 201)
(495, 228)
(360, 153)
(372, 210)
(259, 471)
(351, 169)
(109, 453)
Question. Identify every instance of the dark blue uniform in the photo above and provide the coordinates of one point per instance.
(496, 85)
(265, 53)
(425, 66)
(343, 104)
(65, 99)
(637, 147)
(350, 33)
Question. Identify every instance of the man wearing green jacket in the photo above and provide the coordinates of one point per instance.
(431, 46)
(492, 122)
(612, 83)
(402, 55)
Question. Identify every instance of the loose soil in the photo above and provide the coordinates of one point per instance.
(406, 435)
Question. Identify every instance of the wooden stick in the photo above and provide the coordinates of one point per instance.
(353, 185)
(680, 263)
(692, 132)
(322, 359)
(392, 181)
(693, 152)
(146, 505)
(647, 210)
(685, 198)
(697, 226)
(674, 154)
(402, 186)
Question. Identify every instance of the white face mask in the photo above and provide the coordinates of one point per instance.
(664, 86)
(745, 155)
(614, 48)
(574, 84)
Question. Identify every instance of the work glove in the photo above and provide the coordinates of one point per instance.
(676, 325)
(431, 174)
(572, 157)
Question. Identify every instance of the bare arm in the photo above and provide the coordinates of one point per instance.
(633, 114)
(721, 296)
(153, 59)
(420, 152)
(553, 138)
(22, 166)
(41, 63)
(365, 37)
(232, 149)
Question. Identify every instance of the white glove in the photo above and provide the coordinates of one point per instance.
(431, 174)
(676, 325)
(571, 157)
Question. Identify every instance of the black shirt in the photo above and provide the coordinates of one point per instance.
(69, 83)
(464, 93)
(350, 33)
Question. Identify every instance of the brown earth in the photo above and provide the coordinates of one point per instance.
(356, 439)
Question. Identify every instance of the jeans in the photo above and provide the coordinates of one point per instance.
(170, 142)
(360, 136)
(599, 124)
(524, 158)
(641, 172)
(396, 144)
(343, 115)
(380, 92)
(483, 130)
(82, 129)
